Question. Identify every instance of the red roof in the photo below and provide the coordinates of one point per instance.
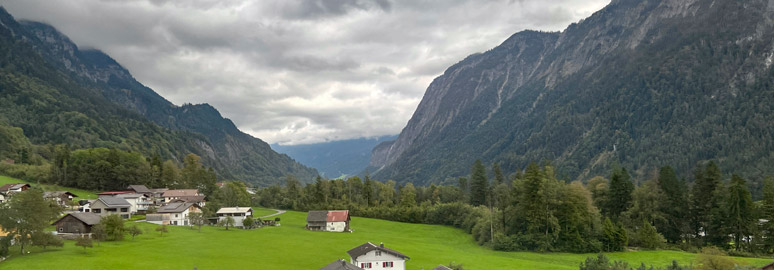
(336, 216)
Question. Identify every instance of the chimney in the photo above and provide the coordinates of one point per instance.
(381, 245)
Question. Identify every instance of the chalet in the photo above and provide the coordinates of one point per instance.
(768, 267)
(174, 213)
(183, 194)
(9, 189)
(62, 198)
(77, 223)
(140, 202)
(107, 205)
(371, 256)
(238, 213)
(341, 265)
(156, 195)
(442, 267)
(331, 221)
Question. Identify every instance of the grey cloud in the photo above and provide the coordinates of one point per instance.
(298, 71)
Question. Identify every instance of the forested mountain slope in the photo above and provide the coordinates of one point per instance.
(644, 83)
(58, 94)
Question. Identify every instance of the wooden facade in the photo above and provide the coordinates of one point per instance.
(70, 224)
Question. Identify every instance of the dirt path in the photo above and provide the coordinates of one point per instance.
(279, 212)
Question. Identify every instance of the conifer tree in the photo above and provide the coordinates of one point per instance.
(479, 184)
(740, 211)
(620, 194)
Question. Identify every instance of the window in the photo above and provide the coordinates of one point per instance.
(386, 264)
(124, 210)
(378, 252)
(97, 211)
(61, 229)
(365, 265)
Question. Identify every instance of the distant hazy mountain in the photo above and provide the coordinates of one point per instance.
(333, 159)
(58, 93)
(645, 83)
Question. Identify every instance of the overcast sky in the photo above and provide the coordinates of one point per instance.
(298, 71)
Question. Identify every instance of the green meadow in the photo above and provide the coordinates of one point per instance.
(290, 246)
(82, 194)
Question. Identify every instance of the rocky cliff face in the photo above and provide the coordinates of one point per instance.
(234, 154)
(635, 75)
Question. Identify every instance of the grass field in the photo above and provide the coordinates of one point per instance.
(291, 247)
(82, 194)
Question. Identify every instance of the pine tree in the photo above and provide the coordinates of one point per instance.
(740, 211)
(619, 194)
(675, 224)
(768, 214)
(498, 174)
(704, 199)
(479, 184)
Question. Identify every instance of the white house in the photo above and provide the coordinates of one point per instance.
(331, 221)
(139, 202)
(174, 213)
(238, 213)
(175, 194)
(371, 256)
(2, 198)
(107, 205)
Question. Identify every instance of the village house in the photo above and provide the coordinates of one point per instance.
(238, 213)
(174, 213)
(371, 256)
(140, 189)
(191, 195)
(139, 202)
(331, 221)
(9, 189)
(62, 198)
(107, 205)
(76, 223)
(341, 265)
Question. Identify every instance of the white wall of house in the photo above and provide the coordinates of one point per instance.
(239, 218)
(99, 208)
(377, 259)
(2, 198)
(336, 226)
(180, 219)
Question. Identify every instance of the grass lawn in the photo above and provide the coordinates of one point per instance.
(291, 247)
(82, 194)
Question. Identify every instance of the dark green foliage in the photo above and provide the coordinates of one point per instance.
(739, 207)
(162, 229)
(84, 242)
(99, 233)
(705, 199)
(46, 239)
(248, 222)
(601, 262)
(614, 236)
(26, 215)
(479, 184)
(675, 225)
(134, 231)
(619, 195)
(767, 210)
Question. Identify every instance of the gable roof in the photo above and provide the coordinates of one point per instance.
(442, 267)
(317, 216)
(176, 207)
(341, 265)
(139, 188)
(113, 201)
(338, 215)
(180, 193)
(8, 187)
(130, 195)
(193, 199)
(229, 210)
(85, 217)
(368, 247)
(52, 194)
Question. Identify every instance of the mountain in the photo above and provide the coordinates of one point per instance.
(334, 159)
(57, 93)
(641, 83)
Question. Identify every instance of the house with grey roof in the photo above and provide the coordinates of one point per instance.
(371, 256)
(62, 198)
(316, 220)
(341, 265)
(442, 267)
(140, 189)
(76, 223)
(174, 213)
(107, 205)
(139, 201)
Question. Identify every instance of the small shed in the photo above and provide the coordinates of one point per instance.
(77, 223)
(316, 220)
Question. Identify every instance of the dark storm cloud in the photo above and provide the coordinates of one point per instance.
(298, 71)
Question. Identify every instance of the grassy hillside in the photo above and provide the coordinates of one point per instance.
(82, 194)
(291, 247)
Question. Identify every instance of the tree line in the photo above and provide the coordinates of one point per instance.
(533, 210)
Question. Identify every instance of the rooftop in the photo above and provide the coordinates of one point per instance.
(341, 265)
(113, 201)
(368, 247)
(180, 193)
(228, 210)
(175, 207)
(88, 218)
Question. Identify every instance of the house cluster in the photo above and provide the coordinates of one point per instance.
(330, 221)
(7, 190)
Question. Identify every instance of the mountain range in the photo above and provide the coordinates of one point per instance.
(57, 93)
(337, 158)
(640, 83)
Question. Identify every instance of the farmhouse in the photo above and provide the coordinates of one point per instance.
(238, 213)
(9, 189)
(106, 205)
(174, 213)
(77, 223)
(174, 194)
(331, 221)
(370, 256)
(341, 265)
(62, 198)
